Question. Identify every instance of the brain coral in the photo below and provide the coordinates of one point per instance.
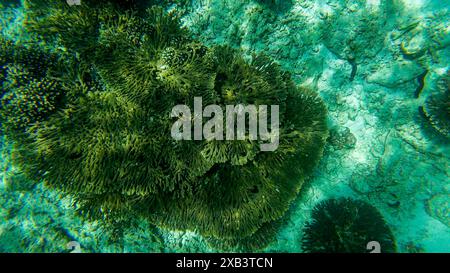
(109, 144)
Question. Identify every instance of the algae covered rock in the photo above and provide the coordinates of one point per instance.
(438, 207)
(356, 29)
(109, 145)
(395, 74)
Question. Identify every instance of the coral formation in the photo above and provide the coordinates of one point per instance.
(437, 106)
(342, 138)
(422, 39)
(30, 89)
(346, 226)
(109, 144)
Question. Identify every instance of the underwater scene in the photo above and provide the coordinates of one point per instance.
(204, 126)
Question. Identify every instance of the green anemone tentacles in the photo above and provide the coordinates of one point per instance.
(108, 143)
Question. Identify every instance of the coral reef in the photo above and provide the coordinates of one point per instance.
(399, 163)
(109, 144)
(346, 226)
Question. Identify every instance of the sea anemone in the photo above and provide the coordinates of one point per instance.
(30, 91)
(437, 107)
(110, 146)
(346, 226)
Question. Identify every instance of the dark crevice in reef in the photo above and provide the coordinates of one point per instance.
(354, 69)
(421, 82)
(277, 6)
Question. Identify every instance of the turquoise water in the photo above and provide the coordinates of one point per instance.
(380, 67)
